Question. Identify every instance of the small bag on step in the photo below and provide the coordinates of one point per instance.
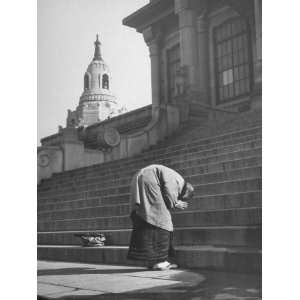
(91, 239)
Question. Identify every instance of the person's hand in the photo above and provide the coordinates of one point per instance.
(181, 204)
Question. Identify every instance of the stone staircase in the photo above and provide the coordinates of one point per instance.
(220, 230)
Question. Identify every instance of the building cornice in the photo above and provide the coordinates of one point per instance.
(149, 14)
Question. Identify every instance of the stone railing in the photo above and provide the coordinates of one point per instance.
(124, 123)
(72, 154)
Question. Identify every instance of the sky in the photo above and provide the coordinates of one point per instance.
(66, 31)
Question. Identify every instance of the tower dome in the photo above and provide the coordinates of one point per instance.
(97, 101)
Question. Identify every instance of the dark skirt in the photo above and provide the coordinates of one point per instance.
(149, 243)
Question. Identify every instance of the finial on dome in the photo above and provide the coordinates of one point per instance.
(97, 55)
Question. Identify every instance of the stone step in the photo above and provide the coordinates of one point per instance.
(222, 187)
(83, 181)
(205, 144)
(204, 131)
(213, 188)
(87, 212)
(193, 178)
(196, 169)
(85, 202)
(168, 160)
(200, 189)
(235, 216)
(230, 259)
(111, 165)
(177, 165)
(212, 129)
(120, 209)
(191, 130)
(216, 127)
(231, 200)
(242, 185)
(249, 236)
(215, 202)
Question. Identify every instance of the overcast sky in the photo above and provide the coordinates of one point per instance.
(66, 33)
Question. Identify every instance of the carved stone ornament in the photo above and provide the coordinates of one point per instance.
(181, 81)
(43, 160)
(109, 137)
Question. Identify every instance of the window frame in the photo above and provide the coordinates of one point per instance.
(105, 79)
(246, 32)
(86, 80)
(178, 60)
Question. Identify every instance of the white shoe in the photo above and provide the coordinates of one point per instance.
(160, 265)
(164, 266)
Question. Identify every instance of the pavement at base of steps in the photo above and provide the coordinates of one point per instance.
(65, 280)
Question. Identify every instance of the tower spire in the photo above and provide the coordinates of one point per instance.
(97, 55)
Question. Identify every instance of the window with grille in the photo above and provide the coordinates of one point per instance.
(233, 60)
(173, 65)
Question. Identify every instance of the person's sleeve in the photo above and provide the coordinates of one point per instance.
(172, 183)
(134, 191)
(170, 192)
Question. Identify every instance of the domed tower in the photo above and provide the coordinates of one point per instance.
(97, 102)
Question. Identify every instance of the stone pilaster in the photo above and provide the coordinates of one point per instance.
(202, 30)
(258, 40)
(153, 42)
(188, 41)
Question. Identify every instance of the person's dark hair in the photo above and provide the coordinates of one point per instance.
(187, 191)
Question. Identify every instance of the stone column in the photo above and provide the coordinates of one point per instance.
(202, 30)
(258, 33)
(152, 41)
(188, 41)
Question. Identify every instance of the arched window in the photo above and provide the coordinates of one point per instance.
(99, 81)
(105, 82)
(86, 81)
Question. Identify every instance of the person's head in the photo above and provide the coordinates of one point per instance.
(187, 192)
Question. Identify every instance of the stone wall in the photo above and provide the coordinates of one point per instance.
(164, 24)
(190, 24)
(72, 153)
(49, 160)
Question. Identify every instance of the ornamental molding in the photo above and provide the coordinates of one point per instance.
(43, 159)
(97, 97)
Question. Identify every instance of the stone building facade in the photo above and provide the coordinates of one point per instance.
(205, 60)
(97, 101)
(203, 51)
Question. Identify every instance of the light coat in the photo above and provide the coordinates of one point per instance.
(154, 191)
